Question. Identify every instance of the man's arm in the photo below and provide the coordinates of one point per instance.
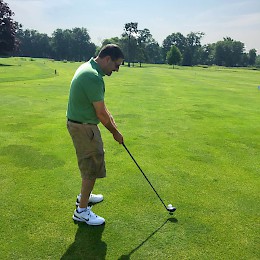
(111, 117)
(107, 120)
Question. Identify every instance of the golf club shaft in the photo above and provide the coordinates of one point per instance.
(144, 175)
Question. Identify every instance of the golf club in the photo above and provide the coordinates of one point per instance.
(170, 208)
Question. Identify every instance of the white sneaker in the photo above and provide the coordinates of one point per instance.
(88, 216)
(93, 199)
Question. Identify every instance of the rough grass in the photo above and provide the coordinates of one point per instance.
(194, 132)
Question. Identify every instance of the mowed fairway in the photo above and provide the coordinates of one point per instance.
(194, 131)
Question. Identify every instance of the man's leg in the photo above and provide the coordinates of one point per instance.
(86, 188)
(84, 213)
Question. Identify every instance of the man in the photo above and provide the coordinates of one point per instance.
(86, 108)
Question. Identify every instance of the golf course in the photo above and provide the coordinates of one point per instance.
(195, 132)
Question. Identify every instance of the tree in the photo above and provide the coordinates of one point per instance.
(144, 38)
(8, 29)
(174, 56)
(72, 44)
(113, 40)
(252, 57)
(229, 52)
(188, 46)
(244, 60)
(130, 30)
(206, 54)
(80, 46)
(191, 51)
(176, 39)
(257, 61)
(139, 45)
(154, 53)
(60, 44)
(33, 44)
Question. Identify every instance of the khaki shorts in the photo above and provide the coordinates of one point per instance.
(89, 149)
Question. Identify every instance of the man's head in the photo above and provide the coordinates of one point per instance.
(110, 58)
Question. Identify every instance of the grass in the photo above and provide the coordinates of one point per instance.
(195, 133)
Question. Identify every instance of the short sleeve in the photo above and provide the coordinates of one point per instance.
(95, 89)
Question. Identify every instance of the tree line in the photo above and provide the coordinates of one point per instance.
(138, 45)
(72, 45)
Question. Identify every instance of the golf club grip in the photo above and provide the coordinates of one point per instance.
(144, 175)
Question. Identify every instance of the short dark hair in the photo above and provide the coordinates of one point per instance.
(111, 50)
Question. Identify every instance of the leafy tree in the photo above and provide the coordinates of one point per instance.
(257, 61)
(154, 53)
(174, 56)
(72, 44)
(206, 54)
(176, 39)
(244, 60)
(60, 44)
(252, 57)
(189, 46)
(80, 46)
(113, 40)
(33, 44)
(8, 29)
(131, 31)
(229, 52)
(144, 38)
(191, 51)
(139, 45)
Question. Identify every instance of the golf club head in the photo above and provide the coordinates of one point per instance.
(170, 208)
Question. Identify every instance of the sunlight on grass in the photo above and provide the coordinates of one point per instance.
(194, 132)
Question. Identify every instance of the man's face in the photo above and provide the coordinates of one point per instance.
(112, 66)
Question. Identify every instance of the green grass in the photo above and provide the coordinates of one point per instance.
(195, 133)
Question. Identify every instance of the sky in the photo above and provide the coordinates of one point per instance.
(238, 19)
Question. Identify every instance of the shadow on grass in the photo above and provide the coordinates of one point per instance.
(88, 243)
(126, 257)
(5, 65)
(28, 156)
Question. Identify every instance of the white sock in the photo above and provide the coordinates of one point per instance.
(80, 209)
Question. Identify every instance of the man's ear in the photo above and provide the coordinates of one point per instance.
(107, 59)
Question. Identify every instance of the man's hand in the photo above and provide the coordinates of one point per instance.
(118, 137)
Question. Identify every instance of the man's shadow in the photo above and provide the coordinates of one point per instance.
(88, 243)
(127, 257)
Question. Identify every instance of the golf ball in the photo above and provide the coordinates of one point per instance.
(169, 206)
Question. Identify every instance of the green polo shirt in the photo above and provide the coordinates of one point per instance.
(87, 86)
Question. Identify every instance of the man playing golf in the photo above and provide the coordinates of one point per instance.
(86, 109)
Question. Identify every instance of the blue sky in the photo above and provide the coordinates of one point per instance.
(238, 19)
